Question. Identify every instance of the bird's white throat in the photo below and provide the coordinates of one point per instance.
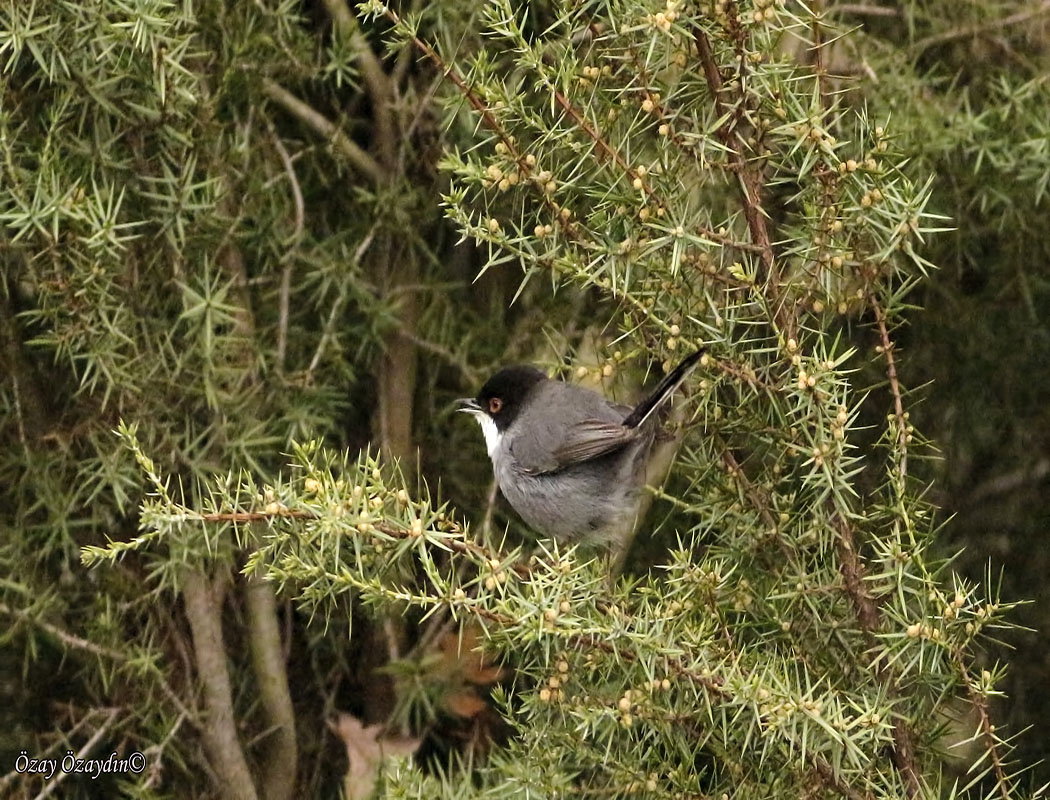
(490, 431)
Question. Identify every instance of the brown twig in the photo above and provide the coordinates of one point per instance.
(758, 501)
(827, 774)
(457, 80)
(461, 546)
(750, 179)
(864, 606)
(980, 705)
(659, 109)
(817, 48)
(744, 374)
(487, 117)
(868, 615)
(895, 387)
(492, 123)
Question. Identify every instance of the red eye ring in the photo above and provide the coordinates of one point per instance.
(495, 404)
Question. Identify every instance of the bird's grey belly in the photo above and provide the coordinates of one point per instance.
(593, 502)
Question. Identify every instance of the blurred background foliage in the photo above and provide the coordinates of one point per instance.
(970, 86)
(166, 166)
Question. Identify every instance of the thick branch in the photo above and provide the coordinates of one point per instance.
(396, 266)
(279, 763)
(377, 82)
(396, 372)
(203, 603)
(862, 10)
(1028, 475)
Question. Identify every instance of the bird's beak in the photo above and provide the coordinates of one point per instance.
(469, 405)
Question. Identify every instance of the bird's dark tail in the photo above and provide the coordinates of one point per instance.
(663, 392)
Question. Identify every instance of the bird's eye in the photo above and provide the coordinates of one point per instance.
(495, 404)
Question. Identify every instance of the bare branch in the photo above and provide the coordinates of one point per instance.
(325, 128)
(981, 27)
(328, 331)
(284, 299)
(103, 729)
(864, 10)
(77, 643)
(377, 82)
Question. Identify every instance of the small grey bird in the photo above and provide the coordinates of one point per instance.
(569, 461)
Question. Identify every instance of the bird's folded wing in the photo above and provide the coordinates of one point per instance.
(586, 440)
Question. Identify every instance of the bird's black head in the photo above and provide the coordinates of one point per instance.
(501, 398)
